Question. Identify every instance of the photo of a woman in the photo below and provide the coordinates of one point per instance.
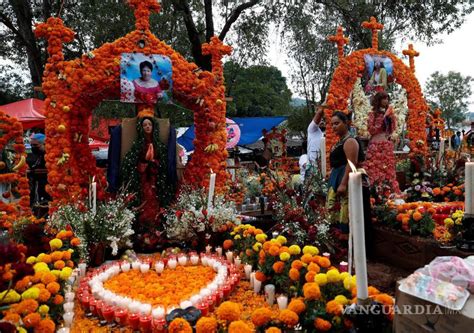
(147, 89)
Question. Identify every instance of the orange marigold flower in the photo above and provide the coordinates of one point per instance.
(297, 305)
(58, 299)
(311, 291)
(288, 317)
(26, 306)
(239, 327)
(12, 317)
(180, 325)
(48, 278)
(46, 259)
(45, 326)
(261, 316)
(309, 277)
(206, 325)
(53, 287)
(307, 258)
(274, 250)
(384, 299)
(273, 330)
(227, 244)
(22, 284)
(279, 267)
(297, 264)
(44, 295)
(260, 276)
(294, 274)
(373, 291)
(334, 308)
(69, 234)
(56, 255)
(32, 320)
(322, 325)
(228, 311)
(284, 249)
(417, 216)
(312, 267)
(75, 241)
(59, 264)
(66, 255)
(61, 235)
(324, 262)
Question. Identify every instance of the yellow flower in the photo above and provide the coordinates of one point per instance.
(343, 275)
(237, 237)
(313, 250)
(22, 330)
(12, 297)
(321, 279)
(41, 267)
(284, 256)
(55, 244)
(56, 272)
(349, 282)
(333, 275)
(261, 238)
(65, 273)
(294, 250)
(232, 233)
(32, 293)
(257, 246)
(43, 309)
(31, 260)
(281, 239)
(448, 222)
(341, 299)
(40, 257)
(458, 221)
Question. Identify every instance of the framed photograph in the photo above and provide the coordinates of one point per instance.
(379, 73)
(145, 78)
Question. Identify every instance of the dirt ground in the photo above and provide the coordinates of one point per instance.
(385, 277)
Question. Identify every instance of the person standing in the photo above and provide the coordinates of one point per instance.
(315, 134)
(37, 174)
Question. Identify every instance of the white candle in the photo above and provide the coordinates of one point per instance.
(282, 301)
(219, 251)
(194, 260)
(69, 297)
(136, 265)
(185, 304)
(229, 255)
(125, 267)
(182, 260)
(82, 268)
(270, 294)
(248, 270)
(68, 317)
(94, 196)
(469, 188)
(212, 184)
(252, 279)
(68, 306)
(237, 262)
(145, 309)
(158, 313)
(63, 330)
(208, 249)
(172, 263)
(257, 285)
(144, 267)
(356, 216)
(159, 266)
(441, 153)
(323, 156)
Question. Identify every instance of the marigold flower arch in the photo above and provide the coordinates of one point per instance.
(352, 67)
(74, 88)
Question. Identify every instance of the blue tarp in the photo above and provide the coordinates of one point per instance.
(250, 130)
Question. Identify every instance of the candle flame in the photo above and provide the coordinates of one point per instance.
(353, 167)
(212, 171)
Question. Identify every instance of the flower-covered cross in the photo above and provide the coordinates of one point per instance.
(142, 10)
(375, 27)
(54, 31)
(340, 41)
(411, 53)
(217, 49)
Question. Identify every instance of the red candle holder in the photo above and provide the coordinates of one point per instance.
(134, 321)
(159, 325)
(93, 307)
(121, 316)
(204, 307)
(85, 300)
(145, 323)
(226, 289)
(100, 305)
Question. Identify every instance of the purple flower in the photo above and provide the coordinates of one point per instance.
(417, 187)
(429, 190)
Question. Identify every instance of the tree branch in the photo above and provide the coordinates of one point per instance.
(209, 20)
(9, 24)
(234, 16)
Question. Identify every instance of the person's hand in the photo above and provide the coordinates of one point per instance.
(389, 112)
(342, 189)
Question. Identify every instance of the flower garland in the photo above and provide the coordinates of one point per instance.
(13, 172)
(362, 107)
(400, 108)
(74, 88)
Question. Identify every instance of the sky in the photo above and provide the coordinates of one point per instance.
(454, 54)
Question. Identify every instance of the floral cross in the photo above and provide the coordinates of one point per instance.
(411, 53)
(142, 10)
(340, 41)
(375, 27)
(217, 49)
(54, 31)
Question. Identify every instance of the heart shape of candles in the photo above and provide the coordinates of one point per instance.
(159, 287)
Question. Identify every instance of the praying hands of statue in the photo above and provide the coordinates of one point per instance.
(150, 153)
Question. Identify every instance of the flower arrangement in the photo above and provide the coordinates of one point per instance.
(244, 243)
(110, 226)
(189, 220)
(361, 107)
(451, 228)
(35, 290)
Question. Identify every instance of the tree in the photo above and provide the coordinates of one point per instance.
(450, 93)
(256, 91)
(298, 120)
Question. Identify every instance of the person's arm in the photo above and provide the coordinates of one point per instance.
(393, 120)
(314, 125)
(371, 124)
(351, 150)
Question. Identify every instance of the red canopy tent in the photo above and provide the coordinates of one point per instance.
(29, 112)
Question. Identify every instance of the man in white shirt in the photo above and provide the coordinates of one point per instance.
(315, 135)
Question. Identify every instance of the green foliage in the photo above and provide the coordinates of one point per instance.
(299, 119)
(450, 93)
(256, 91)
(423, 227)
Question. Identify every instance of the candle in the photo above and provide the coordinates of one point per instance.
(185, 304)
(229, 255)
(212, 184)
(158, 313)
(248, 270)
(63, 330)
(252, 279)
(219, 251)
(182, 260)
(204, 307)
(136, 265)
(282, 301)
(257, 285)
(208, 248)
(441, 153)
(125, 266)
(68, 317)
(194, 259)
(145, 267)
(109, 313)
(327, 255)
(94, 196)
(172, 263)
(134, 321)
(469, 188)
(270, 294)
(145, 323)
(323, 156)
(343, 266)
(237, 262)
(69, 296)
(159, 267)
(82, 268)
(356, 218)
(121, 316)
(68, 306)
